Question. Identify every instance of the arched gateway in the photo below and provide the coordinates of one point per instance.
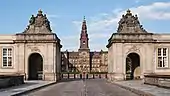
(132, 66)
(130, 37)
(35, 66)
(38, 38)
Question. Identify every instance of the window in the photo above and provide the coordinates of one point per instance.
(162, 57)
(98, 61)
(7, 57)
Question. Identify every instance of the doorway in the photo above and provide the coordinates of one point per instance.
(35, 67)
(132, 66)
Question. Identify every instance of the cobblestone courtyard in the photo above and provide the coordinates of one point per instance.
(89, 87)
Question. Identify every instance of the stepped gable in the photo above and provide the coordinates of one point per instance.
(130, 24)
(38, 24)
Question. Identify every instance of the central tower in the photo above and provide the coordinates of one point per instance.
(84, 51)
(84, 45)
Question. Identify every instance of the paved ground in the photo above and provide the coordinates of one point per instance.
(89, 87)
(29, 85)
(138, 86)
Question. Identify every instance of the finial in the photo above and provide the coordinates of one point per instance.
(128, 12)
(84, 18)
(40, 11)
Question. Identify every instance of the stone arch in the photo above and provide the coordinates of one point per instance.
(35, 66)
(132, 66)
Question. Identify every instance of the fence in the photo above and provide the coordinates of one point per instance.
(81, 76)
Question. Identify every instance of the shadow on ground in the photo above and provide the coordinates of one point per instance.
(26, 84)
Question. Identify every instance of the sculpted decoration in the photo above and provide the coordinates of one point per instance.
(133, 48)
(130, 23)
(35, 49)
(39, 21)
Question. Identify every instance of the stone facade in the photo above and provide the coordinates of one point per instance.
(134, 52)
(35, 53)
(83, 60)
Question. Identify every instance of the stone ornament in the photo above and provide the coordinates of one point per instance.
(129, 24)
(39, 21)
(35, 49)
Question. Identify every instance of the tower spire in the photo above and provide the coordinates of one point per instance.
(84, 18)
(84, 36)
(84, 27)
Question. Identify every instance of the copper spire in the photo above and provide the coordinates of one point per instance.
(84, 18)
(84, 35)
(84, 27)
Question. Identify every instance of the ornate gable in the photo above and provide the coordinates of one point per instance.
(38, 31)
(38, 24)
(130, 31)
(130, 24)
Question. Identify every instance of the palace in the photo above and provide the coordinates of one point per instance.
(84, 60)
(34, 53)
(134, 52)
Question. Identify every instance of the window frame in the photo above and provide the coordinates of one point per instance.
(166, 65)
(7, 57)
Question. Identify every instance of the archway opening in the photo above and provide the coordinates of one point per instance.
(132, 66)
(35, 67)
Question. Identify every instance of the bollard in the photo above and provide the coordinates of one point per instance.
(105, 75)
(68, 76)
(74, 76)
(61, 75)
(99, 75)
(86, 76)
(80, 76)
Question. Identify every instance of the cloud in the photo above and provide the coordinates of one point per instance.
(102, 25)
(69, 48)
(137, 1)
(97, 47)
(104, 22)
(109, 21)
(70, 42)
(98, 35)
(52, 16)
(155, 11)
(77, 25)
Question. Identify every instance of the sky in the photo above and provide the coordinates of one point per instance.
(102, 18)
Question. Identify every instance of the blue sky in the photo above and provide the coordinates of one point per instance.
(101, 15)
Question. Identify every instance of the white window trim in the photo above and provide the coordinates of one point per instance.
(7, 57)
(167, 56)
